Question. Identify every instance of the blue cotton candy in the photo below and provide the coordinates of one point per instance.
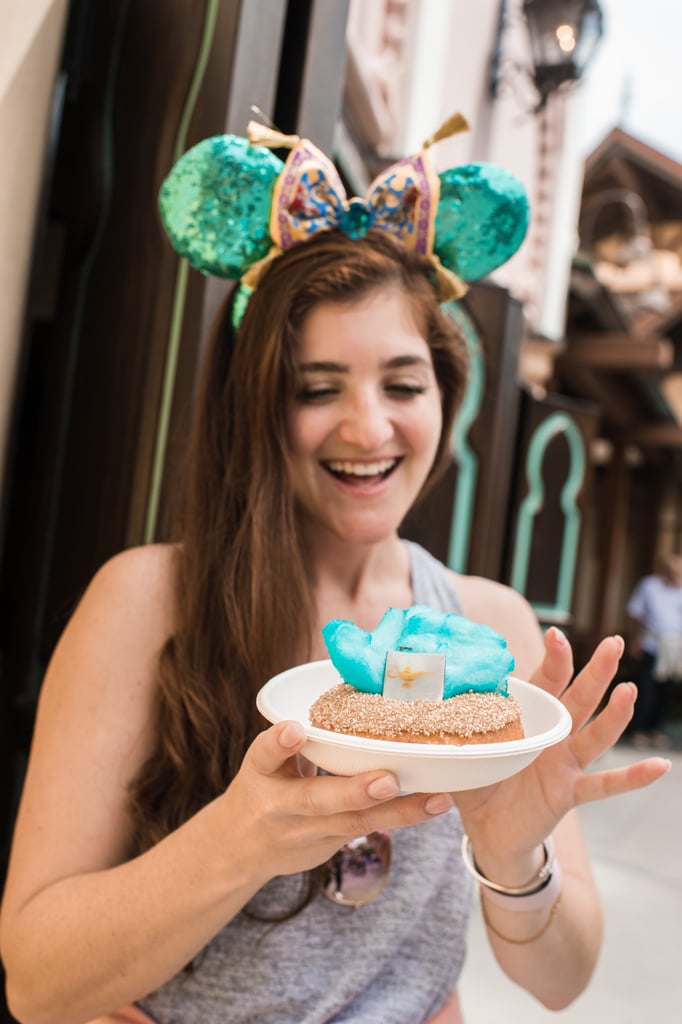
(476, 657)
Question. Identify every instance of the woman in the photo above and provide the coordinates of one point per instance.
(166, 843)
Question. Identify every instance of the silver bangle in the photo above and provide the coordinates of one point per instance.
(536, 884)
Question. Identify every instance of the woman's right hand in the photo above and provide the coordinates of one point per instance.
(292, 820)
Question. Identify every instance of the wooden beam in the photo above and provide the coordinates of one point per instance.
(657, 435)
(613, 394)
(613, 513)
(323, 72)
(614, 351)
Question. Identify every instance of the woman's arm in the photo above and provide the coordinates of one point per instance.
(82, 929)
(507, 823)
(85, 929)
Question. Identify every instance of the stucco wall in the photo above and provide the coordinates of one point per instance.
(445, 61)
(30, 45)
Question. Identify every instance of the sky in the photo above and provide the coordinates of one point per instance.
(635, 78)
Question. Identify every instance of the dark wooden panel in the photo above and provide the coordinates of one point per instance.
(497, 318)
(325, 60)
(125, 282)
(429, 522)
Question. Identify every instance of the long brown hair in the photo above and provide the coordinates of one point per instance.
(245, 604)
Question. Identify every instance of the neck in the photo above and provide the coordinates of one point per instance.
(351, 569)
(357, 581)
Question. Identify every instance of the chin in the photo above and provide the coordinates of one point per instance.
(356, 527)
(365, 533)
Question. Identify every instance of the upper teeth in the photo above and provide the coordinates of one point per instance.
(363, 468)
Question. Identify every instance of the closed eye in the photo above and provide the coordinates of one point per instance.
(405, 391)
(309, 396)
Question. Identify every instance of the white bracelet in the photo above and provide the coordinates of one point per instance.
(540, 892)
(543, 897)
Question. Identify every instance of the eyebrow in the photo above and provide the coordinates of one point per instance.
(328, 366)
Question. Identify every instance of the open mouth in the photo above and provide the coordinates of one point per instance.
(361, 472)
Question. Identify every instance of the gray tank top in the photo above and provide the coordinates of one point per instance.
(393, 961)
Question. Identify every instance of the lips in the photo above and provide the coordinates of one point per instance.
(351, 471)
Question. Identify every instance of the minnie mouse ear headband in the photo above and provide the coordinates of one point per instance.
(230, 207)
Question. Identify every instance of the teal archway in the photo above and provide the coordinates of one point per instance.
(554, 425)
(466, 459)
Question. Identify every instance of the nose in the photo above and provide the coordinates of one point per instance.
(366, 423)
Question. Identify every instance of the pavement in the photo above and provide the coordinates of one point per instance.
(635, 841)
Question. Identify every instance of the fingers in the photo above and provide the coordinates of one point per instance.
(272, 748)
(597, 785)
(607, 728)
(337, 795)
(391, 814)
(589, 686)
(601, 735)
(555, 671)
(324, 796)
(349, 806)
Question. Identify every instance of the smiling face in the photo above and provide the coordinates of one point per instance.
(366, 417)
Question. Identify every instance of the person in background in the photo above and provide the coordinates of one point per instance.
(654, 613)
(170, 852)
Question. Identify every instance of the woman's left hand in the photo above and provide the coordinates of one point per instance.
(514, 816)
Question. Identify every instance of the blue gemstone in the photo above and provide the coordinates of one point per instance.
(355, 220)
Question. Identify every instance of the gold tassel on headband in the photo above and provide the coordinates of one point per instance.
(448, 285)
(453, 126)
(262, 135)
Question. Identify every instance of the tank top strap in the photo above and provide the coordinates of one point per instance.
(431, 583)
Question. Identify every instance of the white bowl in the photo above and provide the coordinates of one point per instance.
(420, 767)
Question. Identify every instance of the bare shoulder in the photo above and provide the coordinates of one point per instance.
(505, 610)
(139, 579)
(491, 602)
(109, 650)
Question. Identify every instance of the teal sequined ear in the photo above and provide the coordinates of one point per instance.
(215, 204)
(482, 219)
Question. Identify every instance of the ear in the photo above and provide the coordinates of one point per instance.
(215, 204)
(482, 219)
